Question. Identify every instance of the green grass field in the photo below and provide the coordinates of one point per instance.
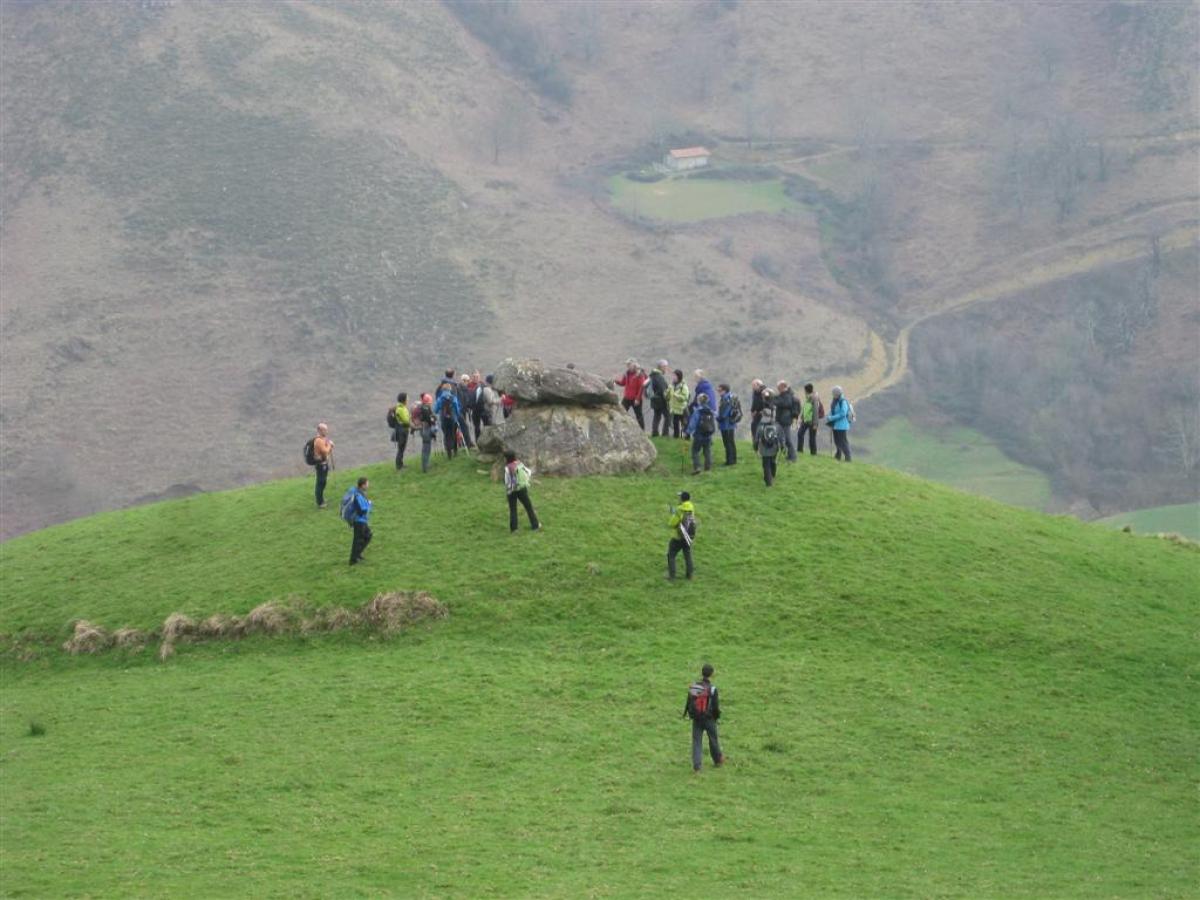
(925, 694)
(958, 456)
(696, 199)
(1181, 518)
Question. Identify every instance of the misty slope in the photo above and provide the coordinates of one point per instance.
(223, 223)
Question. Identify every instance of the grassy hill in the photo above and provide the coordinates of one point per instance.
(1178, 518)
(925, 693)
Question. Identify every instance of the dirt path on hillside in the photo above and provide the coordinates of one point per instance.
(1069, 258)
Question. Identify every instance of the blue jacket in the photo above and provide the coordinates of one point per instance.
(364, 507)
(704, 386)
(444, 399)
(693, 427)
(723, 415)
(839, 415)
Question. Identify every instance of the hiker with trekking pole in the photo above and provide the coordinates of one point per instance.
(683, 533)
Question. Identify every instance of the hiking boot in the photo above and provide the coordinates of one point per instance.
(322, 506)
(721, 761)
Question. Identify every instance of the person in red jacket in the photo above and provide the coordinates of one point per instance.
(634, 382)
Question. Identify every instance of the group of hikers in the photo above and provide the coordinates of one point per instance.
(461, 406)
(780, 420)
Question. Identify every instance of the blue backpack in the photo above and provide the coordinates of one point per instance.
(349, 507)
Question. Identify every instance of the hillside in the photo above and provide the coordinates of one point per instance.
(925, 693)
(221, 223)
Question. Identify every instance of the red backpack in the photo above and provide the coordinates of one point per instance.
(700, 700)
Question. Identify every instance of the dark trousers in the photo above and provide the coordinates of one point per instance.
(678, 423)
(812, 438)
(450, 436)
(636, 406)
(400, 436)
(754, 425)
(523, 496)
(661, 418)
(701, 443)
(727, 438)
(477, 421)
(362, 537)
(673, 549)
(769, 470)
(322, 477)
(701, 727)
(841, 440)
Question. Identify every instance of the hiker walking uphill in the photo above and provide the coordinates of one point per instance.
(812, 410)
(658, 390)
(399, 419)
(703, 707)
(318, 453)
(787, 410)
(633, 381)
(729, 413)
(517, 477)
(701, 428)
(683, 533)
(426, 421)
(356, 510)
(840, 418)
(678, 398)
(769, 440)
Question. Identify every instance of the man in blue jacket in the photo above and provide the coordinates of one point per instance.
(729, 413)
(839, 418)
(704, 386)
(449, 414)
(701, 428)
(362, 531)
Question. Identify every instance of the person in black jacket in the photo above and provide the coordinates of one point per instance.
(703, 707)
(658, 399)
(466, 408)
(756, 409)
(787, 410)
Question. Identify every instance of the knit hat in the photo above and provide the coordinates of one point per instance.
(684, 495)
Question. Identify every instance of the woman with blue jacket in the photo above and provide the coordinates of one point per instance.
(839, 418)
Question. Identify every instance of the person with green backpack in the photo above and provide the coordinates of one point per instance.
(517, 477)
(683, 533)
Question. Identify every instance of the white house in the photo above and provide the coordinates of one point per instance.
(686, 158)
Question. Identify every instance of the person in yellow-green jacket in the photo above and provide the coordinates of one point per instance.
(401, 421)
(683, 532)
(678, 396)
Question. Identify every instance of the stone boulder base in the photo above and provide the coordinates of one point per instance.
(532, 381)
(570, 440)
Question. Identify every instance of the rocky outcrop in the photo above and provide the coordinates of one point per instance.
(533, 382)
(566, 422)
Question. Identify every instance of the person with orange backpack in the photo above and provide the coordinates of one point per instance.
(703, 707)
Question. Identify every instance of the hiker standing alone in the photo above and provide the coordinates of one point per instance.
(359, 513)
(704, 709)
(683, 532)
(323, 454)
(516, 485)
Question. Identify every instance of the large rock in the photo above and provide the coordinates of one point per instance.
(533, 382)
(571, 440)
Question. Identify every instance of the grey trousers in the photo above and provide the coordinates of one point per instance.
(699, 729)
(789, 441)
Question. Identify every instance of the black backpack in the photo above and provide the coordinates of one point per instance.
(688, 524)
(391, 417)
(735, 409)
(768, 439)
(310, 452)
(708, 422)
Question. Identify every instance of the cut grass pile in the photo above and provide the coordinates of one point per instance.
(1180, 518)
(958, 456)
(697, 199)
(925, 693)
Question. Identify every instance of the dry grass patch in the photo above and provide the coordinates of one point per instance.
(395, 610)
(88, 638)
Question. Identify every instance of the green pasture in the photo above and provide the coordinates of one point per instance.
(1180, 518)
(926, 693)
(958, 456)
(678, 199)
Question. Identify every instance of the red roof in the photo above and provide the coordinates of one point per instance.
(689, 152)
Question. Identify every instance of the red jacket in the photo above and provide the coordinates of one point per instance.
(634, 382)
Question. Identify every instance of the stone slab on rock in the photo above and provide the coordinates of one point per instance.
(571, 440)
(533, 382)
